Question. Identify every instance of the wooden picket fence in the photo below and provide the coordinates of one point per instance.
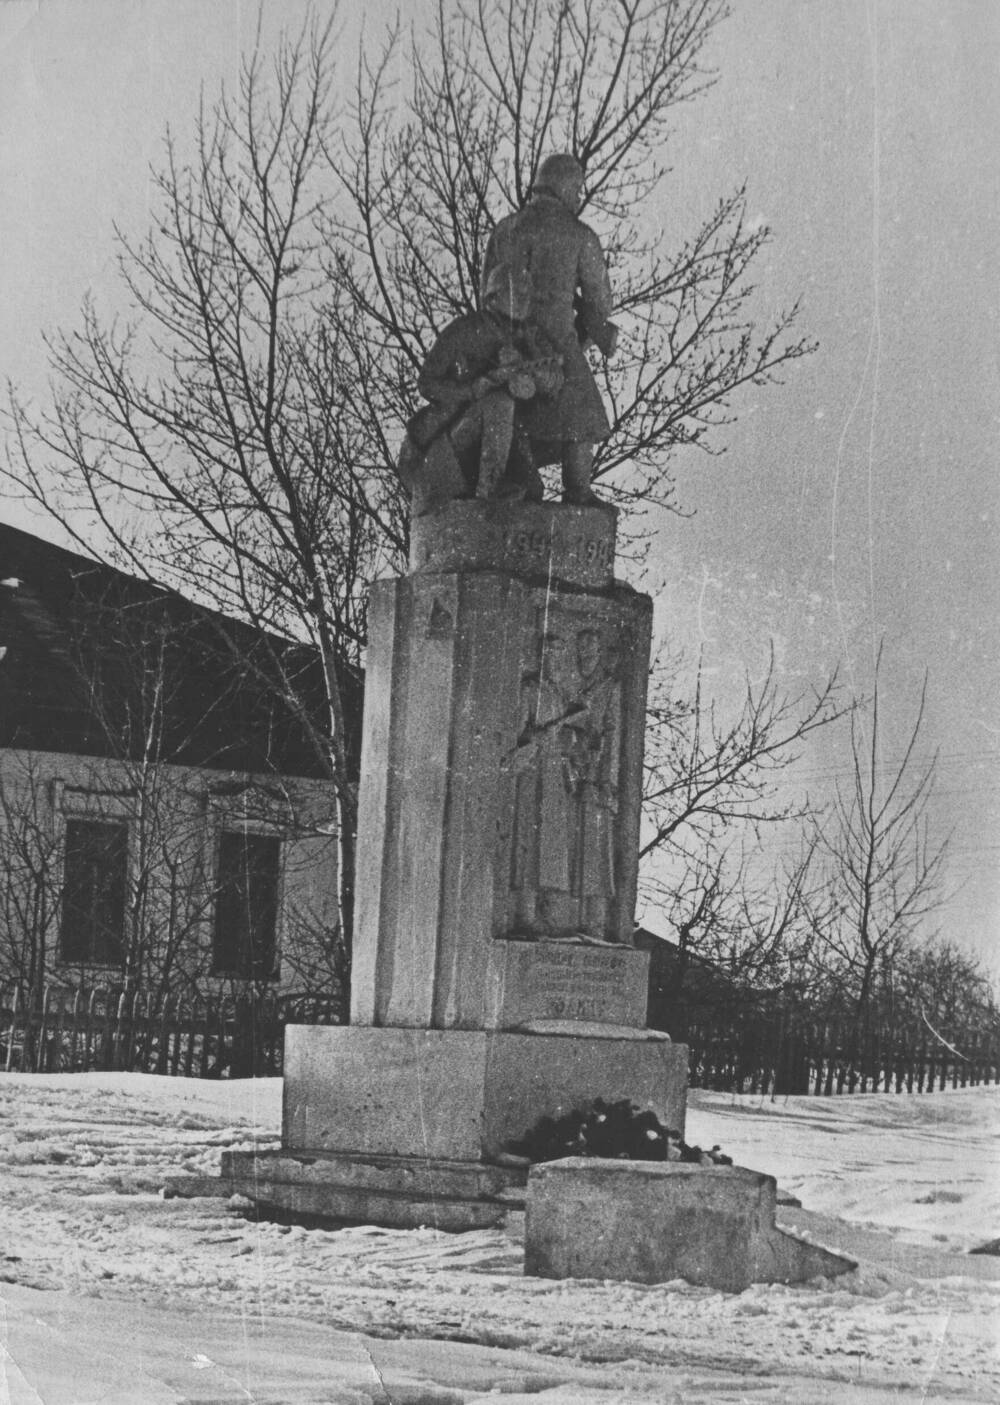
(786, 1052)
(64, 1031)
(778, 1051)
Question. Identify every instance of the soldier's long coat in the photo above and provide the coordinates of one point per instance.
(561, 259)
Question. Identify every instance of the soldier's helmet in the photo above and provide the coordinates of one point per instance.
(561, 175)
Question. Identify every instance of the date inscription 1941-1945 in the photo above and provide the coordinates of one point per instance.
(589, 551)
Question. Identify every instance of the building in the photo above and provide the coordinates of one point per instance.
(166, 821)
(685, 987)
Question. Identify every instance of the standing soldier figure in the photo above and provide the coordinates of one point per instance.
(561, 261)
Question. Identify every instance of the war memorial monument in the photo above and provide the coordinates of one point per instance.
(494, 978)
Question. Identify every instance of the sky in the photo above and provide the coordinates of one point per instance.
(859, 502)
(855, 503)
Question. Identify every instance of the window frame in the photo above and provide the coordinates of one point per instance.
(88, 804)
(230, 826)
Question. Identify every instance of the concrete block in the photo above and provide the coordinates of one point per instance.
(462, 1095)
(403, 1092)
(651, 1222)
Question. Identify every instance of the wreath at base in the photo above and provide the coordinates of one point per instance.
(617, 1130)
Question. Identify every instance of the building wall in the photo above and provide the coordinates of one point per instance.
(173, 820)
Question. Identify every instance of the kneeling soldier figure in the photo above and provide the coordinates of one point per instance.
(467, 442)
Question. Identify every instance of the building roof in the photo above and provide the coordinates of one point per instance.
(685, 978)
(98, 663)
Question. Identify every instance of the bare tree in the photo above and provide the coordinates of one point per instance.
(884, 867)
(751, 920)
(939, 985)
(204, 443)
(706, 774)
(165, 900)
(29, 894)
(236, 435)
(429, 164)
(716, 790)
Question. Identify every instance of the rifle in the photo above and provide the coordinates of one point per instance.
(536, 734)
(517, 375)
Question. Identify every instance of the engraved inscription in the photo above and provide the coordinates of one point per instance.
(588, 551)
(580, 985)
(569, 981)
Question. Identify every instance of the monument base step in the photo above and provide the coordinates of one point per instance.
(401, 1192)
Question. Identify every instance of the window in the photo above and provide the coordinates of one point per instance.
(246, 906)
(95, 876)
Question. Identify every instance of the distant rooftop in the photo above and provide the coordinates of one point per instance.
(98, 663)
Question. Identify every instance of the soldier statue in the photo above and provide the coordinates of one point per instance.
(470, 440)
(560, 259)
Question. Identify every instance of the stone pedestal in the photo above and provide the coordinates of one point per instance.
(502, 762)
(411, 1127)
(494, 981)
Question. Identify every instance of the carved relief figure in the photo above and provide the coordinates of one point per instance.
(594, 766)
(567, 763)
(541, 858)
(562, 262)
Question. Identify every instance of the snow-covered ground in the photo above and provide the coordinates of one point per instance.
(111, 1293)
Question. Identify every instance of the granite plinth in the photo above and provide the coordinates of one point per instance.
(530, 981)
(540, 541)
(651, 1222)
(462, 1095)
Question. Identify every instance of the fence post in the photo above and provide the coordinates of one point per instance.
(12, 1028)
(29, 1051)
(228, 1015)
(192, 1032)
(163, 1038)
(118, 1034)
(144, 1039)
(174, 1035)
(56, 1052)
(211, 1032)
(272, 1035)
(74, 1033)
(974, 1078)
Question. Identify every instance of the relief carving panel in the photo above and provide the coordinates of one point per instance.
(567, 763)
